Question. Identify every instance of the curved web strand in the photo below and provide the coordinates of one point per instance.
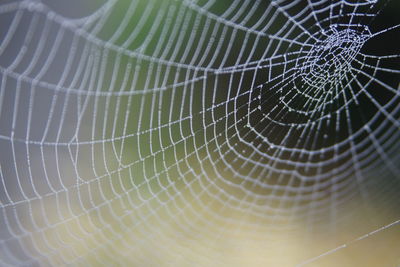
(224, 133)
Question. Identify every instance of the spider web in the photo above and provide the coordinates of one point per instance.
(133, 130)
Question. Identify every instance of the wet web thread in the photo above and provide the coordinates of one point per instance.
(139, 117)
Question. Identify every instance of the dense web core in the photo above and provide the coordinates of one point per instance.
(131, 130)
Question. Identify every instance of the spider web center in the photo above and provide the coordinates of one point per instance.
(329, 60)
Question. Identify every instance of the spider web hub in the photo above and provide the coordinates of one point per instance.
(328, 61)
